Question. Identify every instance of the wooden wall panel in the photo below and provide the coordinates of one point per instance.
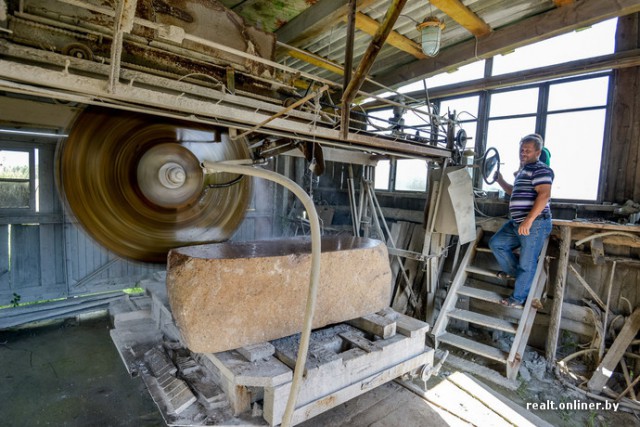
(24, 258)
(5, 282)
(625, 284)
(91, 268)
(623, 177)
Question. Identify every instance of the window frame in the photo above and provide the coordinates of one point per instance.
(541, 114)
(541, 121)
(30, 148)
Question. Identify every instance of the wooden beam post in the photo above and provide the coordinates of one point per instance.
(615, 353)
(558, 295)
(372, 51)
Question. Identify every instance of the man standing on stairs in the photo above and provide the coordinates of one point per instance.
(530, 220)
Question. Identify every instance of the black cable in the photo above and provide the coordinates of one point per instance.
(227, 184)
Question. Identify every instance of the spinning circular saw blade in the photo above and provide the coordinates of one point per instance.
(135, 184)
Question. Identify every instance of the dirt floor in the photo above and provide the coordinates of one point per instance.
(70, 374)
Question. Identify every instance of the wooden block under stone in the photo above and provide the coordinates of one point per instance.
(229, 295)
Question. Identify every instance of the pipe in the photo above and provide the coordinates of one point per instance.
(314, 223)
(605, 234)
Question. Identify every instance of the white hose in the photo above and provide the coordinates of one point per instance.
(605, 234)
(218, 167)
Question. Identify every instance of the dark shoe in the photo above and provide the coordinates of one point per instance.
(502, 275)
(511, 302)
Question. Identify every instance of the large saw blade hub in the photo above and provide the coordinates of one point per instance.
(134, 182)
(170, 175)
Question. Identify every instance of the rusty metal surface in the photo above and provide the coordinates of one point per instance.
(106, 186)
(88, 31)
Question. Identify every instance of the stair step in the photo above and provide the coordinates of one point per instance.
(485, 295)
(481, 271)
(474, 347)
(483, 320)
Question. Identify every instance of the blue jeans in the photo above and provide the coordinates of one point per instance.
(523, 268)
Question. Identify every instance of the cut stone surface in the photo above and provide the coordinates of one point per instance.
(228, 295)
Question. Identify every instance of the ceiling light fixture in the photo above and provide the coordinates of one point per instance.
(431, 33)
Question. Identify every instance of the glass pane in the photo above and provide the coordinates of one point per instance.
(14, 179)
(465, 108)
(14, 195)
(462, 74)
(382, 175)
(590, 42)
(505, 136)
(514, 102)
(411, 175)
(572, 138)
(421, 121)
(470, 128)
(14, 164)
(379, 121)
(582, 93)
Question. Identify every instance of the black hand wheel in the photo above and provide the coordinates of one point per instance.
(490, 165)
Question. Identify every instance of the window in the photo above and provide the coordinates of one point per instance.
(15, 183)
(378, 121)
(504, 135)
(578, 94)
(514, 103)
(594, 41)
(382, 174)
(465, 73)
(401, 175)
(575, 142)
(411, 175)
(572, 122)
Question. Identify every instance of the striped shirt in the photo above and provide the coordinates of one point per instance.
(524, 194)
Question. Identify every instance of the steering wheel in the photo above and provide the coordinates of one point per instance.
(490, 165)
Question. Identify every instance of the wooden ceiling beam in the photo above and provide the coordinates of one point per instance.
(463, 16)
(539, 27)
(369, 25)
(316, 60)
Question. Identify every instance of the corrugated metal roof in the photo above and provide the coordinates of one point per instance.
(331, 42)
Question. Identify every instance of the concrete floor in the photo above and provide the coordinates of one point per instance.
(67, 374)
(70, 374)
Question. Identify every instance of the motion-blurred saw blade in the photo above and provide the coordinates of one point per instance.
(134, 182)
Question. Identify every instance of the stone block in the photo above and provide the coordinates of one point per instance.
(228, 295)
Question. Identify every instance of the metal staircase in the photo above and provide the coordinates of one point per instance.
(494, 316)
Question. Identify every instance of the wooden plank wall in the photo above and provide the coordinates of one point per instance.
(625, 284)
(622, 173)
(91, 268)
(45, 256)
